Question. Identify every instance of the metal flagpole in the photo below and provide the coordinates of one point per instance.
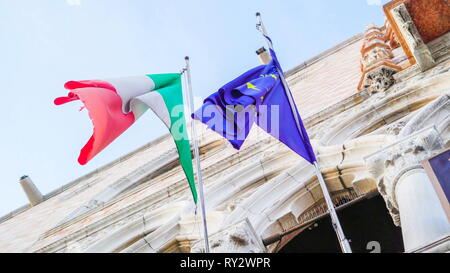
(345, 245)
(190, 98)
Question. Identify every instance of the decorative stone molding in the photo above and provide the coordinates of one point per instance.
(390, 163)
(436, 113)
(412, 37)
(238, 238)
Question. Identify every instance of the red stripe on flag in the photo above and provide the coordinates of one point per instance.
(105, 110)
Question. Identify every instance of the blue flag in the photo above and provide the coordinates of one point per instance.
(257, 96)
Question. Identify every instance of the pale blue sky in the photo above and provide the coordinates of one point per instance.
(45, 43)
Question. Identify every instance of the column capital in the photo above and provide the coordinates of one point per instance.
(389, 164)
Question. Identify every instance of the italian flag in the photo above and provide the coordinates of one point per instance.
(115, 104)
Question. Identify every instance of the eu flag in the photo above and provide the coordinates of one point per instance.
(257, 96)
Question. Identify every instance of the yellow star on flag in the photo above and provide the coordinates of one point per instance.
(251, 86)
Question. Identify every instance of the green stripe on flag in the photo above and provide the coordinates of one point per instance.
(169, 87)
(164, 80)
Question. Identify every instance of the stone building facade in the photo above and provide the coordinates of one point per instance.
(375, 106)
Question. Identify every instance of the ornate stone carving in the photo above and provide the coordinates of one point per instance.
(412, 37)
(379, 80)
(406, 25)
(238, 238)
(390, 163)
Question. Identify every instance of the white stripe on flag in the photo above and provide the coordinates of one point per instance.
(155, 101)
(129, 88)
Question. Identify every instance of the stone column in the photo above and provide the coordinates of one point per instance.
(409, 194)
(422, 218)
(238, 238)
